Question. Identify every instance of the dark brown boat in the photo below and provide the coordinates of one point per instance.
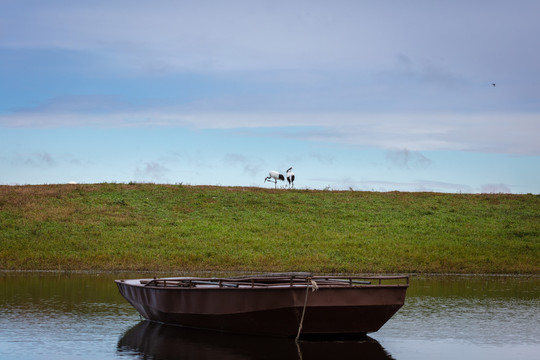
(287, 305)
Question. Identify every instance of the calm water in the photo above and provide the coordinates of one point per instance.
(82, 316)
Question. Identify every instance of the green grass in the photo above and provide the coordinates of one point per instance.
(190, 228)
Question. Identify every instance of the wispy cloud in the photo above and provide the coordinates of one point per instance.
(248, 164)
(490, 133)
(496, 189)
(408, 159)
(34, 159)
(151, 171)
(322, 158)
(384, 185)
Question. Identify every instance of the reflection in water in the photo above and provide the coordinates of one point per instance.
(81, 316)
(494, 311)
(158, 341)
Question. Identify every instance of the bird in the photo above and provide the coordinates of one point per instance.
(290, 177)
(493, 84)
(275, 176)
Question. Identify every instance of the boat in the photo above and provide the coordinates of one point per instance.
(283, 304)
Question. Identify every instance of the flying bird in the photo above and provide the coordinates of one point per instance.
(493, 84)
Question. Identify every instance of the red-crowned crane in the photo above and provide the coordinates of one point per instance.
(290, 177)
(275, 176)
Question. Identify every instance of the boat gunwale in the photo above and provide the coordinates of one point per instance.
(265, 282)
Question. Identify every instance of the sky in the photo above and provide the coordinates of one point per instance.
(394, 95)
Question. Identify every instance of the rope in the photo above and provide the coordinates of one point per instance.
(298, 350)
(314, 287)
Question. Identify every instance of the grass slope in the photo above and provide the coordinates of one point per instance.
(191, 228)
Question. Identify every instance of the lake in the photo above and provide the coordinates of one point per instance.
(46, 315)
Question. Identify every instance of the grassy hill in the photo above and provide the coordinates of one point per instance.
(192, 228)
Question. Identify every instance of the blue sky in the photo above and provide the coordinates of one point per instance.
(363, 95)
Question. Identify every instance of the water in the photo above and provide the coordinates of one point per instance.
(82, 316)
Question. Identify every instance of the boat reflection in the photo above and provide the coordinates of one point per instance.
(159, 341)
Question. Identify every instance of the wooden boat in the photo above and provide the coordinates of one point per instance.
(287, 305)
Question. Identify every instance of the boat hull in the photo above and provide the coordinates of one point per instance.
(274, 311)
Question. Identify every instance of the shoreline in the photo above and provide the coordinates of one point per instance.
(190, 273)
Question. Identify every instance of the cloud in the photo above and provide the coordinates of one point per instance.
(490, 133)
(232, 35)
(440, 186)
(406, 71)
(249, 166)
(355, 74)
(79, 104)
(35, 159)
(408, 159)
(189, 35)
(151, 171)
(496, 189)
(42, 158)
(384, 185)
(322, 158)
